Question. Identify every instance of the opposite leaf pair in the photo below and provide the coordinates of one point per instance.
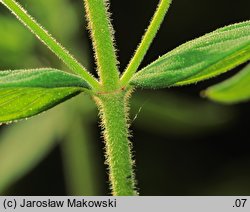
(25, 93)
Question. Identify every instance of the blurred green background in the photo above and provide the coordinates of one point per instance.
(183, 145)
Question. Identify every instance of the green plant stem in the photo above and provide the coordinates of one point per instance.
(102, 38)
(146, 41)
(113, 111)
(47, 39)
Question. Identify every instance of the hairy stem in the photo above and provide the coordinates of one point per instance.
(49, 41)
(146, 41)
(113, 110)
(102, 38)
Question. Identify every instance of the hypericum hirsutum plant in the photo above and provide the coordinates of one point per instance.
(25, 93)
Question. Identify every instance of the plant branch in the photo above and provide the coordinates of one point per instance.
(103, 42)
(113, 108)
(146, 41)
(49, 41)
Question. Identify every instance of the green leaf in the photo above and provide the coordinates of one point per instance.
(200, 59)
(233, 90)
(24, 93)
(43, 78)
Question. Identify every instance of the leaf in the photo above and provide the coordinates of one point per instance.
(43, 78)
(233, 90)
(200, 59)
(24, 93)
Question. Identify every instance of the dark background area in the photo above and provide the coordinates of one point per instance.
(214, 163)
